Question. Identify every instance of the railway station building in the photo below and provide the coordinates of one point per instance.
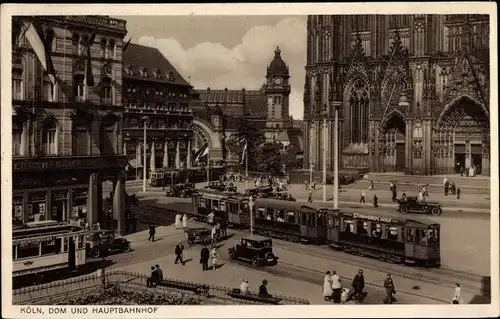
(412, 91)
(67, 118)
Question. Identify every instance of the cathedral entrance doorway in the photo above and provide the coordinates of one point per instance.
(393, 142)
(462, 138)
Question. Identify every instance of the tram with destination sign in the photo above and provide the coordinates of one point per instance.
(43, 247)
(383, 235)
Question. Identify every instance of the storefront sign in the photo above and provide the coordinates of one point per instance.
(372, 218)
(88, 162)
(80, 194)
(59, 195)
(39, 198)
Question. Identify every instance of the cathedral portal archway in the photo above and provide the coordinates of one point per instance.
(203, 133)
(461, 137)
(392, 143)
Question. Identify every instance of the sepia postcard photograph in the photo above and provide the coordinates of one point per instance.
(207, 161)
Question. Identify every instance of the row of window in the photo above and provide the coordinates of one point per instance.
(44, 247)
(223, 206)
(50, 139)
(157, 92)
(156, 74)
(49, 90)
(134, 122)
(107, 47)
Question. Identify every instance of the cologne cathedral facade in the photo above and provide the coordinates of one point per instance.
(412, 92)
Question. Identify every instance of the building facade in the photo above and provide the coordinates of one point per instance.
(412, 92)
(156, 94)
(67, 133)
(267, 108)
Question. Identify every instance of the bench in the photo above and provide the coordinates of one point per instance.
(253, 297)
(196, 288)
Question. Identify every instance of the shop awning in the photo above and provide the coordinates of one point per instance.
(133, 164)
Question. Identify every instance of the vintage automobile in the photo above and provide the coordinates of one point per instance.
(282, 196)
(255, 249)
(180, 190)
(411, 204)
(201, 235)
(101, 243)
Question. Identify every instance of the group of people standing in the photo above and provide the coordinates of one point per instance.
(181, 221)
(333, 290)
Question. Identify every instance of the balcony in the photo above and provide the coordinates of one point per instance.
(94, 162)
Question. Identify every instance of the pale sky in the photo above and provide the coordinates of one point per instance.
(227, 51)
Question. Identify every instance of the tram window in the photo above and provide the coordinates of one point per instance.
(421, 237)
(290, 218)
(196, 200)
(50, 247)
(303, 220)
(230, 208)
(261, 213)
(348, 226)
(280, 216)
(312, 219)
(65, 243)
(362, 227)
(202, 203)
(80, 242)
(215, 204)
(336, 221)
(409, 235)
(392, 233)
(222, 206)
(431, 237)
(28, 250)
(376, 230)
(330, 222)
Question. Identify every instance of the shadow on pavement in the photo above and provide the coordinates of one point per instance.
(485, 297)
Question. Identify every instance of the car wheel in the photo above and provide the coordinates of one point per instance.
(255, 262)
(403, 209)
(96, 253)
(128, 248)
(206, 240)
(190, 240)
(232, 254)
(436, 211)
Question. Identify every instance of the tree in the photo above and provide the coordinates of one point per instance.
(246, 131)
(270, 158)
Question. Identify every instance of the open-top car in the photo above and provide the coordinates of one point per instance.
(411, 204)
(101, 243)
(202, 235)
(180, 190)
(255, 249)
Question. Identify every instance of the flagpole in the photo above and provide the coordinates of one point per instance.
(246, 164)
(208, 166)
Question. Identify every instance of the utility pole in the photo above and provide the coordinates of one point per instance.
(324, 158)
(336, 158)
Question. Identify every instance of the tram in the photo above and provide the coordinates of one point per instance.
(231, 207)
(46, 246)
(383, 235)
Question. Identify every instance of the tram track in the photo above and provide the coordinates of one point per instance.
(472, 282)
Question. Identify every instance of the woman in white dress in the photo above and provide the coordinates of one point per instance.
(177, 221)
(457, 296)
(327, 286)
(214, 255)
(184, 221)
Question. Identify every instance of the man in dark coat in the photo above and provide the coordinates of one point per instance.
(151, 281)
(178, 253)
(263, 290)
(389, 289)
(152, 231)
(204, 257)
(358, 284)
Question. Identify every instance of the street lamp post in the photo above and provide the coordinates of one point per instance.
(250, 206)
(145, 120)
(324, 158)
(336, 158)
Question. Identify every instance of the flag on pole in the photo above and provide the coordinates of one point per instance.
(202, 152)
(244, 153)
(41, 47)
(90, 74)
(126, 45)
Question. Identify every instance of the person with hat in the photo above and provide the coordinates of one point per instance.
(358, 284)
(178, 253)
(389, 289)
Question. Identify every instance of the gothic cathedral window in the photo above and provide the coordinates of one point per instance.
(359, 102)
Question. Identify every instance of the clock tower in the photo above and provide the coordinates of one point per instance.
(277, 91)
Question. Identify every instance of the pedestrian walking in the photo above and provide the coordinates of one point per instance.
(336, 287)
(457, 295)
(358, 284)
(159, 271)
(214, 255)
(375, 200)
(152, 231)
(362, 199)
(314, 185)
(372, 186)
(327, 286)
(390, 289)
(446, 188)
(394, 194)
(306, 185)
(310, 197)
(458, 193)
(178, 253)
(177, 221)
(204, 257)
(184, 221)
